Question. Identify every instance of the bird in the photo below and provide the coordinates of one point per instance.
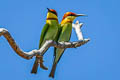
(49, 32)
(63, 36)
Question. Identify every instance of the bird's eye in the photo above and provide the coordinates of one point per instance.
(71, 15)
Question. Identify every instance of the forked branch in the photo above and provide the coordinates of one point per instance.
(49, 43)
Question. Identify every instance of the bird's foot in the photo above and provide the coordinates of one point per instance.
(41, 63)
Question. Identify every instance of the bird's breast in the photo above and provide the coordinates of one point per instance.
(52, 32)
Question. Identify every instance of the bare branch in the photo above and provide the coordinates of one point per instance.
(49, 43)
(77, 26)
(15, 47)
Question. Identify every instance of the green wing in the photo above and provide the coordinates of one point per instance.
(44, 30)
(64, 36)
(57, 37)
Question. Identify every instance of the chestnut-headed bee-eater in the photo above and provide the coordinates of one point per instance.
(64, 36)
(49, 32)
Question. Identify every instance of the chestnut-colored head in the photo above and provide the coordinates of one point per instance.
(52, 14)
(52, 11)
(69, 17)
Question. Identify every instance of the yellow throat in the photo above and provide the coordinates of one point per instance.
(51, 16)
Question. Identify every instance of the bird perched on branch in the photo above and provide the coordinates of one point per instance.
(49, 32)
(64, 35)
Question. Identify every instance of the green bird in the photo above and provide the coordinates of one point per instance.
(49, 32)
(64, 35)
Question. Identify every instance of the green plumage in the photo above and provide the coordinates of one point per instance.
(49, 32)
(64, 35)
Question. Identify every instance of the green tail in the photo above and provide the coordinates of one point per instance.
(52, 73)
(35, 67)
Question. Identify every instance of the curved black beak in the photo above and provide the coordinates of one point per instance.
(77, 15)
(48, 9)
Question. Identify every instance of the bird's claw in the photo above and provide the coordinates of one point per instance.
(41, 63)
(42, 66)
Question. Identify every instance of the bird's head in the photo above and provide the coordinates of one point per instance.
(69, 17)
(52, 14)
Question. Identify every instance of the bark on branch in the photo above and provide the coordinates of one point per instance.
(49, 43)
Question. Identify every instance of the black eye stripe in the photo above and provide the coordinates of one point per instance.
(71, 15)
(54, 13)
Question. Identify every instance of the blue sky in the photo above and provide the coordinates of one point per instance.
(97, 60)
